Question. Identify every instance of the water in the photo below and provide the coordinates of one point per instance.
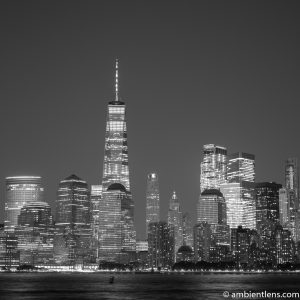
(22, 286)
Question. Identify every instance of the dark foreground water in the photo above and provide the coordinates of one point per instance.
(14, 286)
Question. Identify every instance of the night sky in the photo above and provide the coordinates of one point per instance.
(191, 73)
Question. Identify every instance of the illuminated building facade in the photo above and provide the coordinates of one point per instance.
(213, 167)
(202, 241)
(292, 188)
(116, 229)
(267, 201)
(187, 230)
(211, 207)
(160, 245)
(175, 221)
(284, 209)
(96, 194)
(19, 191)
(285, 246)
(152, 200)
(239, 191)
(35, 232)
(72, 225)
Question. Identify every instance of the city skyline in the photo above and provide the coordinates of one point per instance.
(58, 128)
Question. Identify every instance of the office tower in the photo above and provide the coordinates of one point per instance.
(187, 230)
(211, 207)
(267, 201)
(292, 188)
(160, 245)
(240, 245)
(152, 200)
(9, 253)
(116, 184)
(213, 167)
(285, 246)
(72, 225)
(175, 221)
(241, 167)
(116, 229)
(202, 241)
(239, 191)
(284, 209)
(266, 230)
(19, 191)
(35, 232)
(142, 254)
(96, 193)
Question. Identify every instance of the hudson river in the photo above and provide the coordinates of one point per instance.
(22, 286)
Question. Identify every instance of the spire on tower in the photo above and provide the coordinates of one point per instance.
(117, 81)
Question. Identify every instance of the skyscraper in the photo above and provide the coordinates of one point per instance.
(19, 191)
(160, 245)
(239, 191)
(175, 221)
(96, 194)
(152, 200)
(213, 167)
(187, 230)
(292, 188)
(116, 184)
(267, 201)
(73, 219)
(284, 208)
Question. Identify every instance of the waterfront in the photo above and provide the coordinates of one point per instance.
(15, 286)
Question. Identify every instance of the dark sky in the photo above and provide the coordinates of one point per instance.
(191, 73)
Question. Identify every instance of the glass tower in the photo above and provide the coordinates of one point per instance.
(116, 229)
(175, 221)
(152, 200)
(213, 167)
(73, 226)
(20, 190)
(239, 191)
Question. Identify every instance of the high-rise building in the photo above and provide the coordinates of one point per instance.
(116, 185)
(96, 194)
(213, 167)
(211, 207)
(160, 245)
(72, 220)
(19, 191)
(292, 188)
(116, 229)
(187, 230)
(202, 241)
(284, 209)
(285, 246)
(35, 232)
(175, 221)
(267, 201)
(241, 167)
(152, 200)
(239, 191)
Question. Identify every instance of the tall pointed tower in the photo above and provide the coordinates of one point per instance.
(117, 237)
(115, 168)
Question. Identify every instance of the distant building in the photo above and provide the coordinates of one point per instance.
(175, 221)
(240, 245)
(285, 246)
(96, 194)
(202, 241)
(292, 188)
(284, 208)
(161, 245)
(72, 227)
(213, 167)
(19, 191)
(185, 253)
(187, 230)
(267, 201)
(152, 200)
(35, 233)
